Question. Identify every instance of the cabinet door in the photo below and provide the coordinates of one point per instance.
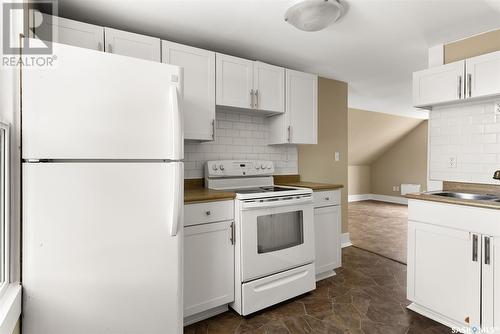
(64, 31)
(439, 84)
(199, 88)
(490, 293)
(483, 75)
(234, 81)
(269, 84)
(133, 45)
(302, 107)
(208, 267)
(327, 238)
(444, 271)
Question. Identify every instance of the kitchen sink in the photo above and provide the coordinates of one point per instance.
(477, 197)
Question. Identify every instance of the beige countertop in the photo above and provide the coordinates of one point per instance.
(295, 181)
(195, 192)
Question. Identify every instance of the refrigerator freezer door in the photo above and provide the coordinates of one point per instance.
(96, 105)
(97, 252)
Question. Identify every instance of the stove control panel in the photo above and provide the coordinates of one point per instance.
(228, 168)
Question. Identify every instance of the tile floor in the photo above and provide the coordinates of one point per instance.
(366, 296)
(379, 227)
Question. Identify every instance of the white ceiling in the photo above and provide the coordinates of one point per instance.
(375, 47)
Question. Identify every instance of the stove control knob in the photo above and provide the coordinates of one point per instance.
(214, 167)
(268, 166)
(257, 167)
(263, 166)
(221, 167)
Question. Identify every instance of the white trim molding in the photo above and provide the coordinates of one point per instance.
(358, 198)
(10, 308)
(345, 240)
(377, 197)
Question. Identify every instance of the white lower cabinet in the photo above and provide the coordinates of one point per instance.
(446, 274)
(327, 232)
(452, 264)
(208, 263)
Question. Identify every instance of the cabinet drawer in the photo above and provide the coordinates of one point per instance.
(210, 212)
(276, 288)
(326, 198)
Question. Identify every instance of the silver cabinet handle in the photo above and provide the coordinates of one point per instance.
(251, 98)
(99, 46)
(208, 213)
(469, 83)
(289, 139)
(256, 99)
(474, 247)
(232, 237)
(213, 129)
(487, 250)
(459, 86)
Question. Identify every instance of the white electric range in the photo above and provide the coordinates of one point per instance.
(274, 248)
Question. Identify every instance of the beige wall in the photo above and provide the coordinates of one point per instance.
(359, 180)
(405, 162)
(473, 46)
(317, 162)
(372, 133)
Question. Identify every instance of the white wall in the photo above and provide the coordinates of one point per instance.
(239, 136)
(471, 134)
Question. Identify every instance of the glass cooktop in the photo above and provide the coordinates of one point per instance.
(260, 190)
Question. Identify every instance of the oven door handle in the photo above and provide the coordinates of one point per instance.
(276, 203)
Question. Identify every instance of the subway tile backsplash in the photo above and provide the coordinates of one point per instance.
(468, 133)
(239, 136)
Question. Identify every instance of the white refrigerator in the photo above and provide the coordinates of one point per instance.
(102, 175)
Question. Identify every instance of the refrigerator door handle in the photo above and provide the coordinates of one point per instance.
(178, 193)
(177, 124)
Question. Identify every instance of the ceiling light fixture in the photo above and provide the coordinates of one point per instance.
(314, 15)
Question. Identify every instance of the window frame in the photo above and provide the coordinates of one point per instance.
(5, 172)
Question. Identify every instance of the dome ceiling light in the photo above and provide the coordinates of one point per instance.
(314, 15)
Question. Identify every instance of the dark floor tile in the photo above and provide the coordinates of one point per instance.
(358, 300)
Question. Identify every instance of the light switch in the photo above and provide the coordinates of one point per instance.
(337, 156)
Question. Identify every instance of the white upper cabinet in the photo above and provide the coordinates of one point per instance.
(269, 87)
(483, 75)
(473, 78)
(199, 88)
(64, 31)
(299, 123)
(133, 45)
(439, 84)
(234, 82)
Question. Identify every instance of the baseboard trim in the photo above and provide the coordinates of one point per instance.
(390, 199)
(460, 328)
(377, 197)
(345, 240)
(358, 198)
(205, 315)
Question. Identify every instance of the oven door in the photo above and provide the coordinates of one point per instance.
(276, 234)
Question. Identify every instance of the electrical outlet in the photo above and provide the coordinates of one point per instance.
(452, 162)
(497, 108)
